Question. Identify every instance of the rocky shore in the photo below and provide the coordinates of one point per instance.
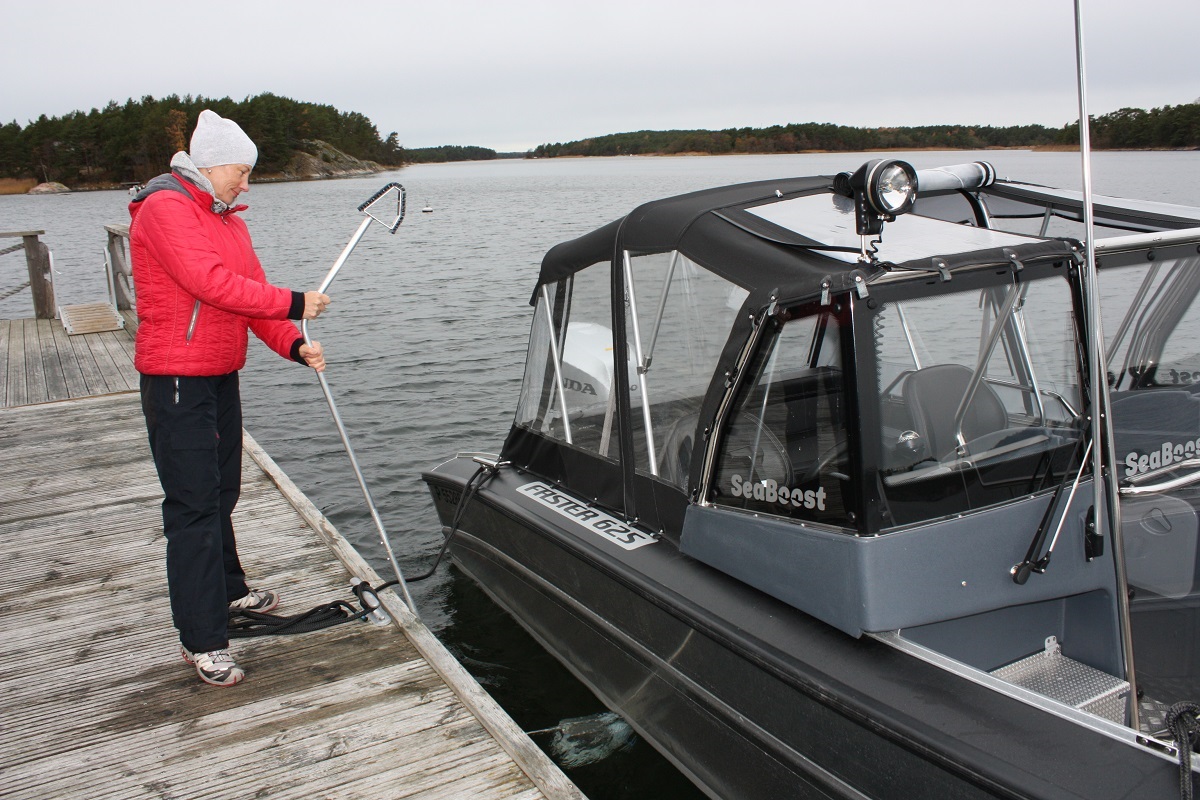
(321, 160)
(318, 160)
(50, 187)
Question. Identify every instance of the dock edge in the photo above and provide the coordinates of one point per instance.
(540, 768)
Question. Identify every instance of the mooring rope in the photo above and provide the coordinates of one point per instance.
(252, 623)
(244, 623)
(11, 292)
(1183, 720)
(483, 474)
(12, 249)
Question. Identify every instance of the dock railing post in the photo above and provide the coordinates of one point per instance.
(37, 258)
(120, 270)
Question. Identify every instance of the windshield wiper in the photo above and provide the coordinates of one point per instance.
(1021, 572)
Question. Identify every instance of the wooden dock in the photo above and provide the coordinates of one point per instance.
(41, 362)
(98, 702)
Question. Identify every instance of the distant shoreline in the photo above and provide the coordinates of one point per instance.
(1041, 148)
(18, 186)
(11, 186)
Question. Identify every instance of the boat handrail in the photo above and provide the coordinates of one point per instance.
(642, 365)
(662, 306)
(1042, 391)
(1016, 297)
(908, 337)
(1165, 486)
(956, 177)
(964, 462)
(1130, 316)
(1136, 241)
(1155, 320)
(1023, 347)
(556, 357)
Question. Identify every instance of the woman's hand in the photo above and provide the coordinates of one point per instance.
(314, 304)
(313, 355)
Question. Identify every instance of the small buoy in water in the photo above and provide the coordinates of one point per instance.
(581, 741)
(427, 210)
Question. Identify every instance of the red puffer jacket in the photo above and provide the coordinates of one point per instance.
(200, 286)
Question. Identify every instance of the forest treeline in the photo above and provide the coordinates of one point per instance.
(448, 152)
(1173, 127)
(1167, 127)
(135, 141)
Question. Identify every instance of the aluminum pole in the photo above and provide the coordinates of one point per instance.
(1101, 422)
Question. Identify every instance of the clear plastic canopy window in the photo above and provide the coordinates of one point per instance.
(829, 219)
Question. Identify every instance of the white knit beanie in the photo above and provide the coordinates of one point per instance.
(219, 141)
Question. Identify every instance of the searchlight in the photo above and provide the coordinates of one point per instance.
(882, 190)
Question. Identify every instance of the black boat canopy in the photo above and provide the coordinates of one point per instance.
(713, 229)
(754, 236)
(787, 242)
(1014, 200)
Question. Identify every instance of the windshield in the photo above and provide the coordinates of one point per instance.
(1152, 332)
(785, 450)
(979, 397)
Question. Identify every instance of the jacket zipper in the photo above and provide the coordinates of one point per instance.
(196, 308)
(192, 325)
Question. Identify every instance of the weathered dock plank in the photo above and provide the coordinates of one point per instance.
(35, 376)
(93, 376)
(4, 340)
(16, 394)
(98, 702)
(119, 346)
(52, 363)
(75, 384)
(109, 367)
(41, 363)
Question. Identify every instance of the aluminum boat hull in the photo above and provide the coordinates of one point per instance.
(753, 699)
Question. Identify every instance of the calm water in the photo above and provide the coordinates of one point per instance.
(426, 342)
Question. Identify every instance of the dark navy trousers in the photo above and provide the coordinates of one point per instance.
(195, 430)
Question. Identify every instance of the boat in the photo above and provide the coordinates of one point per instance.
(802, 483)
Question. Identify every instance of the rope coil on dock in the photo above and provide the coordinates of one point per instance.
(244, 623)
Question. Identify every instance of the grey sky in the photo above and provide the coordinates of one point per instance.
(512, 75)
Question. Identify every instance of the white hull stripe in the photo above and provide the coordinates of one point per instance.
(592, 519)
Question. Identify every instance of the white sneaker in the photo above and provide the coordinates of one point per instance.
(260, 600)
(216, 667)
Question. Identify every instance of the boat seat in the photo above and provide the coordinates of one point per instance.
(1144, 419)
(1162, 531)
(750, 448)
(675, 454)
(933, 395)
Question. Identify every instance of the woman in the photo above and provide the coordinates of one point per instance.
(200, 287)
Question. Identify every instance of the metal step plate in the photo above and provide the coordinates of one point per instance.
(90, 318)
(1052, 674)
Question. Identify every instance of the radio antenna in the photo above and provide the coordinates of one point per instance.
(1101, 421)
